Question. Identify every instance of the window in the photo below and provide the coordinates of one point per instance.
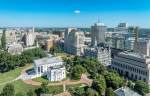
(38, 69)
(132, 76)
(135, 77)
(146, 73)
(144, 80)
(41, 69)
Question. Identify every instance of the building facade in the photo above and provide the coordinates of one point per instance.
(56, 73)
(52, 67)
(98, 33)
(132, 65)
(14, 48)
(10, 36)
(103, 55)
(29, 38)
(74, 42)
(142, 46)
(1, 34)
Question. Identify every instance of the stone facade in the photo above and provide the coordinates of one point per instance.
(102, 54)
(132, 65)
(74, 42)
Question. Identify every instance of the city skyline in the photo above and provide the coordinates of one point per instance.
(73, 13)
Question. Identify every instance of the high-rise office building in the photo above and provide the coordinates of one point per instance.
(10, 36)
(1, 33)
(29, 38)
(122, 27)
(74, 42)
(98, 33)
(142, 46)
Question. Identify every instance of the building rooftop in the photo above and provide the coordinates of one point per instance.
(125, 92)
(57, 67)
(47, 60)
(135, 56)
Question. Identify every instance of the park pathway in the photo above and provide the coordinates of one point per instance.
(83, 80)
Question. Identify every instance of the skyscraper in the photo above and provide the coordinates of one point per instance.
(74, 42)
(98, 33)
(29, 38)
(10, 36)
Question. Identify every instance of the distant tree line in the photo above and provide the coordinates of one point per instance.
(9, 62)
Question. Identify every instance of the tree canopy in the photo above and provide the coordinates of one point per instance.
(141, 87)
(114, 80)
(77, 71)
(8, 90)
(99, 85)
(109, 92)
(10, 62)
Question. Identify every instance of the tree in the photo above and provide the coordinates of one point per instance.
(99, 85)
(55, 49)
(93, 66)
(91, 92)
(130, 84)
(8, 90)
(43, 89)
(77, 91)
(30, 93)
(20, 94)
(141, 87)
(109, 92)
(114, 80)
(77, 71)
(3, 40)
(9, 62)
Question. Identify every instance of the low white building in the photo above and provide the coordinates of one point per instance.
(56, 73)
(132, 65)
(52, 67)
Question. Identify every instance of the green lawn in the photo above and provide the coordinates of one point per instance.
(20, 86)
(41, 79)
(8, 76)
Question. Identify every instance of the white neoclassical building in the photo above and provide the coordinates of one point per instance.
(56, 73)
(52, 67)
(132, 65)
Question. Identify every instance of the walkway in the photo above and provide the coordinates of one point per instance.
(83, 80)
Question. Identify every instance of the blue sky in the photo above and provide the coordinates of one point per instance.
(73, 13)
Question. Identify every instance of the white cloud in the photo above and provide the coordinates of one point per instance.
(77, 12)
